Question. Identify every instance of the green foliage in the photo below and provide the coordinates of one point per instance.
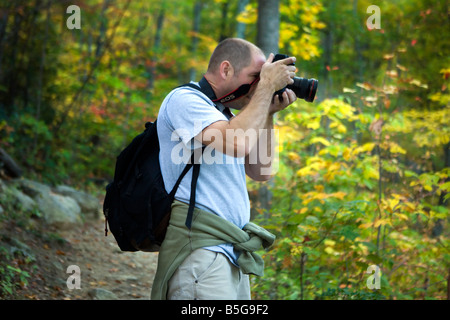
(12, 257)
(363, 176)
(11, 277)
(358, 187)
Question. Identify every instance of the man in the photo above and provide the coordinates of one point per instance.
(211, 260)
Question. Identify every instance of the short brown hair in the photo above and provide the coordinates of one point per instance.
(237, 51)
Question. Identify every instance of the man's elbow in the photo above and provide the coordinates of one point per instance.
(258, 173)
(261, 178)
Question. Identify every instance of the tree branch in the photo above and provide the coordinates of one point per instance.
(91, 71)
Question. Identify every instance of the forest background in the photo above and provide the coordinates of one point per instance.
(360, 202)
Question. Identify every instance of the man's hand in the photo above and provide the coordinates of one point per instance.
(277, 75)
(281, 102)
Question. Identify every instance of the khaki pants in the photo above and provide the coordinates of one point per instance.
(208, 275)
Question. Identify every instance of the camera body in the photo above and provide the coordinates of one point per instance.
(304, 88)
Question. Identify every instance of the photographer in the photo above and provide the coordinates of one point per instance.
(212, 260)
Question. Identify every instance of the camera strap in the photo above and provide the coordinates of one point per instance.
(207, 90)
(233, 95)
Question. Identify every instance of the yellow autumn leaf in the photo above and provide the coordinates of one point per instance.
(340, 195)
(445, 186)
(249, 15)
(287, 32)
(304, 171)
(318, 25)
(367, 147)
(413, 183)
(392, 203)
(321, 140)
(341, 128)
(293, 156)
(370, 172)
(329, 243)
(334, 166)
(347, 154)
(395, 148)
(301, 211)
(314, 124)
(382, 222)
(364, 248)
(319, 187)
(418, 84)
(402, 216)
(287, 133)
(329, 250)
(410, 207)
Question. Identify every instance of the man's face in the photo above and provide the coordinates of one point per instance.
(247, 76)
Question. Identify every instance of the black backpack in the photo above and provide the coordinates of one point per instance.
(137, 206)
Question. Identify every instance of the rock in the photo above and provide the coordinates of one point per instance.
(102, 294)
(2, 185)
(59, 211)
(89, 204)
(32, 188)
(19, 199)
(127, 278)
(61, 207)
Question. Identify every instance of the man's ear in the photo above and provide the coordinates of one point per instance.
(226, 70)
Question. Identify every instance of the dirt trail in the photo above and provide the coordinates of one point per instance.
(128, 275)
(105, 271)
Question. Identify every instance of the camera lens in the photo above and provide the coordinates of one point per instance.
(304, 88)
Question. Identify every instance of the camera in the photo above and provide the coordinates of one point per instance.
(303, 88)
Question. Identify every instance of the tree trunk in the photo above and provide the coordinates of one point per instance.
(223, 24)
(156, 48)
(40, 78)
(3, 21)
(240, 28)
(195, 29)
(358, 46)
(268, 34)
(10, 166)
(268, 25)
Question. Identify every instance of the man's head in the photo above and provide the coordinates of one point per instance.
(234, 62)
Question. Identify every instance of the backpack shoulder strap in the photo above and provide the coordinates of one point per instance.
(206, 89)
(195, 174)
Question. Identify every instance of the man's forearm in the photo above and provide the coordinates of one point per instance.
(240, 135)
(258, 163)
(254, 117)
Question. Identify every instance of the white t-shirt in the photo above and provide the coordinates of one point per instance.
(221, 186)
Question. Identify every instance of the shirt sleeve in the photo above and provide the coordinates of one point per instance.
(188, 112)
